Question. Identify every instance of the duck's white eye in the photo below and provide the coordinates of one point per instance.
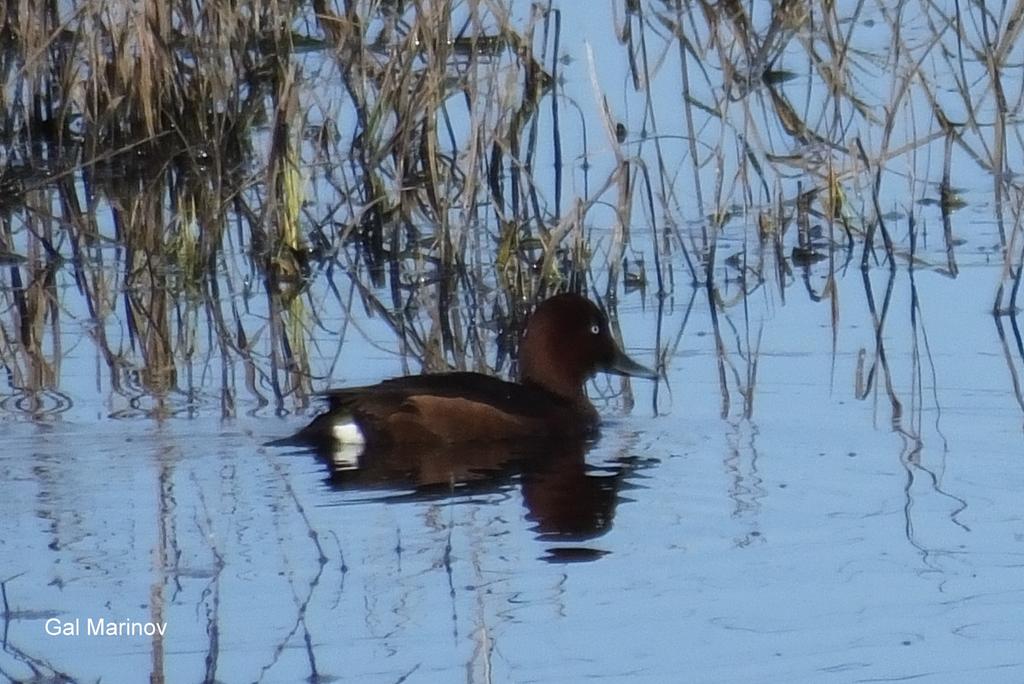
(595, 329)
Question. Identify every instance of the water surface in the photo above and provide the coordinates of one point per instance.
(824, 485)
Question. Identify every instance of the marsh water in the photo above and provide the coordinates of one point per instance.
(808, 221)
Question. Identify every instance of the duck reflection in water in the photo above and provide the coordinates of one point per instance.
(567, 499)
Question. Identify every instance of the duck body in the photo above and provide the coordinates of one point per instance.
(565, 342)
(446, 408)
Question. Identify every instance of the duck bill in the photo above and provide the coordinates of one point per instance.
(623, 365)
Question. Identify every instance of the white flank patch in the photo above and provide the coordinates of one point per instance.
(348, 433)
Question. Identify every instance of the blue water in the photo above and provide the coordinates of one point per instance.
(829, 493)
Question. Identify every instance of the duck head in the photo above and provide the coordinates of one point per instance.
(566, 341)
